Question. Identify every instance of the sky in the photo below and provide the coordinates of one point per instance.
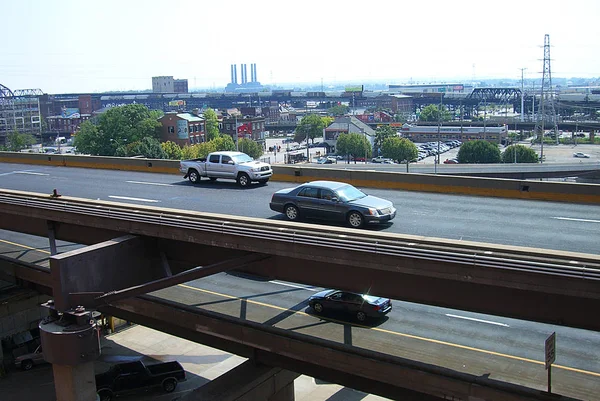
(75, 46)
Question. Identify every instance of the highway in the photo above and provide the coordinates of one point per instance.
(551, 225)
(506, 349)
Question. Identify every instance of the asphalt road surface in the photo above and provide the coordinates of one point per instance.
(551, 225)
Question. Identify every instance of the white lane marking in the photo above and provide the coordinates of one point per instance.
(150, 183)
(29, 172)
(477, 320)
(572, 219)
(293, 285)
(133, 199)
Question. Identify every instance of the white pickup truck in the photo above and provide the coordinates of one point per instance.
(231, 165)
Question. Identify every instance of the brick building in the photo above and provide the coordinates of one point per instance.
(183, 128)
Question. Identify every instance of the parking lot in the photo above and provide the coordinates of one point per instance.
(200, 362)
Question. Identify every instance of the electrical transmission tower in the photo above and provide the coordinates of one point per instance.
(546, 111)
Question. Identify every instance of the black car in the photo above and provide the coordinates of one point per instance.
(129, 377)
(331, 200)
(360, 306)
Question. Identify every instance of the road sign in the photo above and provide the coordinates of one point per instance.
(550, 349)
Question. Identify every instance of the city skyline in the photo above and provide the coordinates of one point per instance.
(69, 47)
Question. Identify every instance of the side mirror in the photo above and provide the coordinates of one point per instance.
(230, 162)
(335, 199)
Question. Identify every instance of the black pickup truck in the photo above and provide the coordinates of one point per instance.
(125, 378)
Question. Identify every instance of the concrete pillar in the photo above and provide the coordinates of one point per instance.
(71, 343)
(75, 383)
(248, 382)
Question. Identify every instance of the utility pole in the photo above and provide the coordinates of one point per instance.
(522, 95)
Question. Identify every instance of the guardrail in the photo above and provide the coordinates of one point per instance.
(495, 187)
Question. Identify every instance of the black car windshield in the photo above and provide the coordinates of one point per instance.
(348, 193)
(243, 158)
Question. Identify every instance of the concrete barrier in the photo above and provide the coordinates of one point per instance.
(496, 187)
(101, 162)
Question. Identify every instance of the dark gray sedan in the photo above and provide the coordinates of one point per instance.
(360, 306)
(331, 200)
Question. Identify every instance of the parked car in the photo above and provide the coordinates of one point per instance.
(380, 159)
(326, 160)
(581, 154)
(129, 377)
(451, 161)
(27, 361)
(361, 306)
(331, 200)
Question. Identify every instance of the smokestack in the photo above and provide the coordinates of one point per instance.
(243, 66)
(253, 72)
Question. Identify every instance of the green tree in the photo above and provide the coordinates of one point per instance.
(400, 149)
(353, 144)
(338, 110)
(479, 151)
(524, 154)
(250, 147)
(148, 147)
(172, 150)
(434, 112)
(311, 125)
(383, 132)
(212, 124)
(16, 141)
(118, 127)
(88, 139)
(223, 142)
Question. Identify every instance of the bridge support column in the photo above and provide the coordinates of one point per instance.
(71, 343)
(248, 381)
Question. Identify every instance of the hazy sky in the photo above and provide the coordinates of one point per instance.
(64, 46)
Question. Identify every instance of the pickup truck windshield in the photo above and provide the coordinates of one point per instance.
(243, 158)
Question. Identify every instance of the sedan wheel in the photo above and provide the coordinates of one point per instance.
(291, 212)
(318, 307)
(361, 316)
(27, 364)
(355, 220)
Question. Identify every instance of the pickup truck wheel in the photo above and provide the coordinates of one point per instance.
(243, 180)
(169, 385)
(27, 364)
(291, 212)
(105, 395)
(193, 176)
(355, 220)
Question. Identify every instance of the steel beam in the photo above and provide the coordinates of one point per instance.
(382, 374)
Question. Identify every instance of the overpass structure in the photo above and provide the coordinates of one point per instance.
(136, 249)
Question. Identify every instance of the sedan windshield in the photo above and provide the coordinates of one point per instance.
(242, 158)
(348, 193)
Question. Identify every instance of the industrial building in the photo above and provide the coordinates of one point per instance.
(20, 112)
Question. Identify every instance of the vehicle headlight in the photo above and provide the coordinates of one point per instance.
(256, 169)
(373, 212)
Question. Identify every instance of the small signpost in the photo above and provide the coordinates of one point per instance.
(550, 357)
